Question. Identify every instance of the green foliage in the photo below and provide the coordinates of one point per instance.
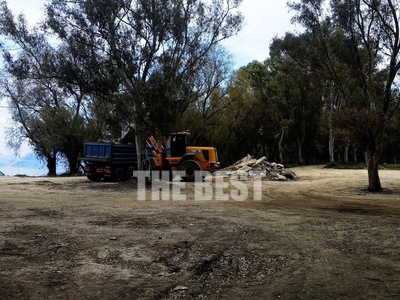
(156, 48)
(265, 107)
(391, 153)
(355, 46)
(134, 62)
(48, 93)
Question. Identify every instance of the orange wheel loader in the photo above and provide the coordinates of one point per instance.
(174, 153)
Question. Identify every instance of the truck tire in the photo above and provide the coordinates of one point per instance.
(119, 174)
(129, 174)
(189, 168)
(95, 178)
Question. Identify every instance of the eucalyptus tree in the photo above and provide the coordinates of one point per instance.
(49, 88)
(29, 93)
(155, 49)
(271, 123)
(363, 68)
(28, 103)
(242, 120)
(292, 94)
(204, 115)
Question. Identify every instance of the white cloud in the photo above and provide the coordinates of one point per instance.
(264, 20)
(33, 10)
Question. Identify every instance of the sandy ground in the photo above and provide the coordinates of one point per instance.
(319, 237)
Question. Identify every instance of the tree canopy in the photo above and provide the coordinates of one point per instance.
(143, 57)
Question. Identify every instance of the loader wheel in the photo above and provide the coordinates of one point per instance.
(189, 167)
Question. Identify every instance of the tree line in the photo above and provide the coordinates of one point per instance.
(327, 94)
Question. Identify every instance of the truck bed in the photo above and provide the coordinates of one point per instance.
(109, 152)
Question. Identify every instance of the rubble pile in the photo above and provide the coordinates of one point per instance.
(252, 167)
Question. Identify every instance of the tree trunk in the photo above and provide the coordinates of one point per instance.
(331, 140)
(300, 142)
(51, 164)
(73, 165)
(373, 152)
(265, 150)
(280, 147)
(374, 183)
(355, 159)
(141, 150)
(346, 151)
(300, 153)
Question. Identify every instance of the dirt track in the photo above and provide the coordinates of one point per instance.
(320, 237)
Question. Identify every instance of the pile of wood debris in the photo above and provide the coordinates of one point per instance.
(252, 167)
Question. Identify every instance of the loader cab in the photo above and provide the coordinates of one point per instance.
(176, 144)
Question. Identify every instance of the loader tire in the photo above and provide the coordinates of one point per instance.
(189, 168)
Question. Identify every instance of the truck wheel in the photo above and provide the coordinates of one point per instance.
(189, 167)
(94, 178)
(119, 175)
(129, 174)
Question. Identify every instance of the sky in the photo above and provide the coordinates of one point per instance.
(264, 20)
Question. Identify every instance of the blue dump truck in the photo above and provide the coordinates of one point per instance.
(109, 161)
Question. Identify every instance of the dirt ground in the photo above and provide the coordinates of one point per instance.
(321, 236)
